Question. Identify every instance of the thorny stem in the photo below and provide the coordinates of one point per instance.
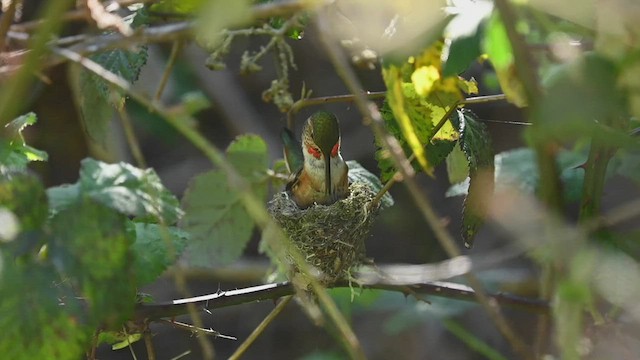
(277, 239)
(157, 311)
(370, 111)
(260, 329)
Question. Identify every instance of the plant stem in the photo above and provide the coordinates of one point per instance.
(15, 89)
(260, 328)
(173, 57)
(370, 111)
(131, 137)
(5, 22)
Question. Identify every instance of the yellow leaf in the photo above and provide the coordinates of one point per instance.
(424, 78)
(395, 97)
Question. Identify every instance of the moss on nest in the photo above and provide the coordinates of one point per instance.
(331, 238)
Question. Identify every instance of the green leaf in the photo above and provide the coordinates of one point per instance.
(177, 6)
(15, 154)
(92, 248)
(462, 52)
(216, 15)
(95, 96)
(40, 315)
(60, 197)
(518, 169)
(218, 223)
(129, 190)
(155, 249)
(496, 43)
(475, 142)
(23, 194)
(418, 98)
(358, 173)
(579, 96)
(457, 165)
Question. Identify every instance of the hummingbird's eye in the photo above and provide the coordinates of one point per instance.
(314, 151)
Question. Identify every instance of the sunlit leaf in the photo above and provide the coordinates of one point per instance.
(497, 46)
(418, 99)
(15, 154)
(457, 166)
(217, 221)
(129, 190)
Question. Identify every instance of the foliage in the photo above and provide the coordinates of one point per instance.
(73, 256)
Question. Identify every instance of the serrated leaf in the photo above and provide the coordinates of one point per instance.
(358, 173)
(95, 97)
(218, 223)
(418, 98)
(475, 142)
(129, 190)
(155, 249)
(92, 248)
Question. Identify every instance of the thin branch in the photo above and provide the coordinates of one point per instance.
(5, 22)
(173, 57)
(260, 328)
(370, 111)
(305, 102)
(484, 99)
(220, 299)
(148, 343)
(196, 330)
(131, 137)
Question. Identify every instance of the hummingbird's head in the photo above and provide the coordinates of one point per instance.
(321, 139)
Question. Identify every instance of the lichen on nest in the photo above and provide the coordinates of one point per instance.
(331, 238)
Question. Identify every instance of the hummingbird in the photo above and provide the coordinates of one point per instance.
(319, 172)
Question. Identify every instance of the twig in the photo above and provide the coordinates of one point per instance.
(260, 328)
(5, 22)
(131, 137)
(173, 57)
(484, 99)
(148, 343)
(17, 86)
(196, 330)
(304, 102)
(153, 312)
(370, 111)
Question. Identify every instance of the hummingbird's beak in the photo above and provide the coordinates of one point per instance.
(327, 172)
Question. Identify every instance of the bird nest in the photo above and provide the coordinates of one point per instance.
(331, 238)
